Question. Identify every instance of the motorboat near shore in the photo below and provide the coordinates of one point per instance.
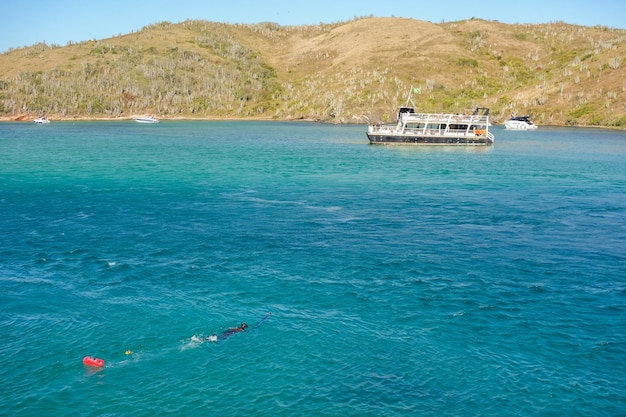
(520, 123)
(42, 120)
(146, 119)
(414, 128)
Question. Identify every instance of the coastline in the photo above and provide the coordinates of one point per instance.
(29, 119)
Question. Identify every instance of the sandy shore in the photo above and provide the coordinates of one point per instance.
(31, 117)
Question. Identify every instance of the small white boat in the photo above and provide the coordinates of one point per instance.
(147, 119)
(520, 123)
(42, 120)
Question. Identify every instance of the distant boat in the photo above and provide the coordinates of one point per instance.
(433, 128)
(520, 123)
(42, 120)
(147, 119)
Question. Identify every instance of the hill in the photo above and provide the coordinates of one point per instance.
(344, 72)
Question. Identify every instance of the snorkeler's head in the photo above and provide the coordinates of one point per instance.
(244, 325)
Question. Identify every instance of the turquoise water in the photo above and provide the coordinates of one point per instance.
(401, 280)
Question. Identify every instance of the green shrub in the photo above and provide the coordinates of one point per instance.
(467, 62)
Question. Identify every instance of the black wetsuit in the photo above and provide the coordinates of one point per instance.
(226, 333)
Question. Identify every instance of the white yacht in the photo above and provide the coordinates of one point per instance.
(42, 120)
(147, 119)
(520, 123)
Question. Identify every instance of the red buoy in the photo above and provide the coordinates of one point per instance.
(91, 361)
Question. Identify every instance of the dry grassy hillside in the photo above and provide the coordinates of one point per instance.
(346, 72)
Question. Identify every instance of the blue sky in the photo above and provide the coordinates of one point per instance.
(27, 22)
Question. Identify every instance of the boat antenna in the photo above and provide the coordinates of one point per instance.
(409, 99)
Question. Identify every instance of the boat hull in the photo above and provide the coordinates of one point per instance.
(146, 120)
(379, 139)
(519, 126)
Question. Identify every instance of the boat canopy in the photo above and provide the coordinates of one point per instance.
(405, 110)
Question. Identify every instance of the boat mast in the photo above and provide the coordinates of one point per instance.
(408, 99)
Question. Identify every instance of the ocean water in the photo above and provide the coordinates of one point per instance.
(431, 281)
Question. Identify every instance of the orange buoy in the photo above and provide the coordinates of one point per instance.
(91, 361)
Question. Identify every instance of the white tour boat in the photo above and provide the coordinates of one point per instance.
(433, 128)
(41, 120)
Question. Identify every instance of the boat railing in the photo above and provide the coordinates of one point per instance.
(436, 123)
(383, 129)
(445, 118)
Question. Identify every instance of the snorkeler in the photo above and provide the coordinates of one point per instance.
(231, 331)
(227, 333)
